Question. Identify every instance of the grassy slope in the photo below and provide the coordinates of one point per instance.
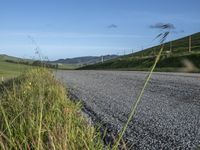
(143, 60)
(35, 113)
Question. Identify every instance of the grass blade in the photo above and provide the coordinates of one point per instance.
(134, 107)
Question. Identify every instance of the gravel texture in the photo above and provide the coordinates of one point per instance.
(168, 116)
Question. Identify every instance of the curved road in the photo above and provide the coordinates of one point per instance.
(168, 117)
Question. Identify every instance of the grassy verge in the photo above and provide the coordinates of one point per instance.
(35, 113)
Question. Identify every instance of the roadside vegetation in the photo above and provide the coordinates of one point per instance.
(35, 113)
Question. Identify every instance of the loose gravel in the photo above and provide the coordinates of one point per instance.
(168, 116)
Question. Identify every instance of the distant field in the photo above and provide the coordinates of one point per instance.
(67, 66)
(8, 70)
(13, 69)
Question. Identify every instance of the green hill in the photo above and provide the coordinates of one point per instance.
(177, 56)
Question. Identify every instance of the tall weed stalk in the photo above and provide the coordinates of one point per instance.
(162, 37)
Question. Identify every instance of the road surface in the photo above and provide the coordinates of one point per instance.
(168, 116)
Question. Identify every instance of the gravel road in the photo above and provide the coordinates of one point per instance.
(168, 117)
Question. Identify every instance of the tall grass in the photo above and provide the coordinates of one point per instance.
(135, 105)
(35, 113)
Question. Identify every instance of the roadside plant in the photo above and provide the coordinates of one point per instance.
(165, 28)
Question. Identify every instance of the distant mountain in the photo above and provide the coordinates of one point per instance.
(87, 60)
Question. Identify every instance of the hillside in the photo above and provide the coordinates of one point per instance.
(87, 60)
(176, 56)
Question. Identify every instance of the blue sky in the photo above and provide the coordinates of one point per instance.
(71, 28)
